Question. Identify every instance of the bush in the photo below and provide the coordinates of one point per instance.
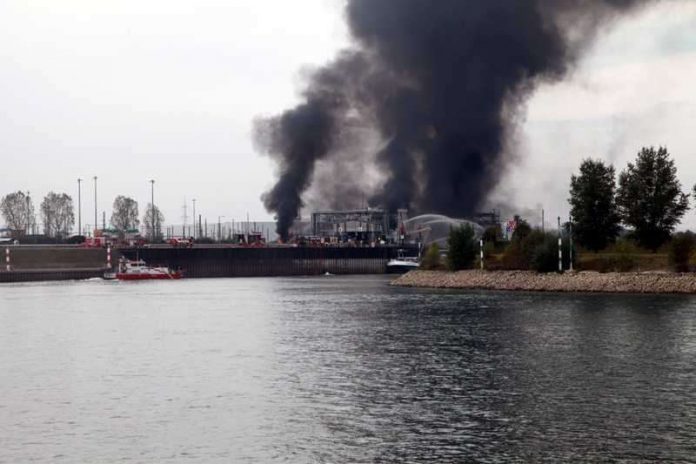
(624, 259)
(462, 248)
(680, 250)
(545, 255)
(431, 259)
(519, 254)
(536, 251)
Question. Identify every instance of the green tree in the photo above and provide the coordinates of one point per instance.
(18, 210)
(431, 259)
(57, 214)
(593, 205)
(649, 197)
(462, 248)
(522, 230)
(125, 214)
(152, 220)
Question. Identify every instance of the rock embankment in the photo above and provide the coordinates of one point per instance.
(615, 282)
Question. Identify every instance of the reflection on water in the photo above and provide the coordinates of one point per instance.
(341, 369)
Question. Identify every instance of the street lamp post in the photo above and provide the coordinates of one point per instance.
(152, 207)
(79, 206)
(96, 221)
(194, 218)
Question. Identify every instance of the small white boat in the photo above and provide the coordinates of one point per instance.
(402, 264)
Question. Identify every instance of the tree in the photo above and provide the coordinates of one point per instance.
(125, 214)
(18, 211)
(431, 259)
(462, 248)
(649, 197)
(58, 214)
(153, 227)
(522, 229)
(593, 205)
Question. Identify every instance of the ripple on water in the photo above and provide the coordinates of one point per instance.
(345, 369)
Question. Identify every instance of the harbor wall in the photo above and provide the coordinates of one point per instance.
(202, 261)
(37, 257)
(50, 262)
(36, 263)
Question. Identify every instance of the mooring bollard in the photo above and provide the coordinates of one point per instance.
(7, 259)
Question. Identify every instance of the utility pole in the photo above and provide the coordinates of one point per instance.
(79, 207)
(543, 220)
(152, 207)
(184, 218)
(96, 221)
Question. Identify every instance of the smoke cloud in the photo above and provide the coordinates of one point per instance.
(442, 84)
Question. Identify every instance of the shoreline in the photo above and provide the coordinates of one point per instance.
(569, 282)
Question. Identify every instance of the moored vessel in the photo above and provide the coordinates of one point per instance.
(402, 264)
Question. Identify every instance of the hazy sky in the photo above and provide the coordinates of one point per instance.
(133, 90)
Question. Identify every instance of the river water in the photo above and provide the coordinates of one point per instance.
(341, 370)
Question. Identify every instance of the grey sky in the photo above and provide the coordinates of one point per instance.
(132, 90)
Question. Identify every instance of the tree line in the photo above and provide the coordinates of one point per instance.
(57, 214)
(645, 206)
(648, 200)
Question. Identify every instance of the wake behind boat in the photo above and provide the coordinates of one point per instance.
(139, 270)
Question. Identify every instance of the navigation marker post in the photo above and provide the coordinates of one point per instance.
(481, 245)
(560, 247)
(570, 241)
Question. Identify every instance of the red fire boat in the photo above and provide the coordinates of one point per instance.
(138, 270)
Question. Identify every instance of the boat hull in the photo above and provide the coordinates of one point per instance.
(172, 276)
(401, 267)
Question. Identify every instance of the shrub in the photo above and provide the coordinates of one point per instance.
(624, 259)
(431, 258)
(680, 249)
(536, 251)
(462, 248)
(518, 255)
(545, 255)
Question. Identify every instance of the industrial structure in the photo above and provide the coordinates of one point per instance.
(376, 225)
(370, 225)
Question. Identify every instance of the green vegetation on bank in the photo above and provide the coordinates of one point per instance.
(624, 227)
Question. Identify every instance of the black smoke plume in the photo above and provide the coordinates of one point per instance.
(443, 83)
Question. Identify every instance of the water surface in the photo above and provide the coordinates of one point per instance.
(341, 369)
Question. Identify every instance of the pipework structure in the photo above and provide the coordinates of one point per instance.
(361, 224)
